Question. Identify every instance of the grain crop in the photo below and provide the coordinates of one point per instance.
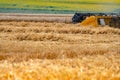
(58, 51)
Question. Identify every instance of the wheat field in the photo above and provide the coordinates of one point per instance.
(58, 51)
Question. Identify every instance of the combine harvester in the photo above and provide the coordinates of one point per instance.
(97, 19)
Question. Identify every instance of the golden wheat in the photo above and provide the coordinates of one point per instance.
(58, 51)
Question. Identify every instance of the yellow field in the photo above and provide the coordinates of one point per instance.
(59, 6)
(58, 51)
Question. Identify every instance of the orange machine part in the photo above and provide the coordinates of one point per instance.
(90, 21)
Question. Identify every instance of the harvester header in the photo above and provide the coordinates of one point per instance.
(97, 19)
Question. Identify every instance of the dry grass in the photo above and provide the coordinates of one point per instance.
(58, 51)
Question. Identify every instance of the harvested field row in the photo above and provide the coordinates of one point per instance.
(21, 51)
(71, 38)
(37, 17)
(25, 27)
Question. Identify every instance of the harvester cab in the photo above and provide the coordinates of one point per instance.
(97, 19)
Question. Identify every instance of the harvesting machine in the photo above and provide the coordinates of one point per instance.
(97, 19)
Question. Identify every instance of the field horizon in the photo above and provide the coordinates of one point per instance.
(58, 6)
